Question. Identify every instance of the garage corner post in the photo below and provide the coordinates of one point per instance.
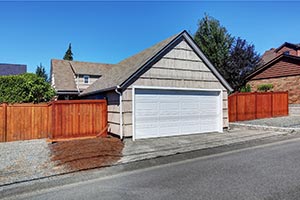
(120, 109)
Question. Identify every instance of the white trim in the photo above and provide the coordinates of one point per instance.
(221, 112)
(133, 113)
(173, 88)
(120, 111)
(220, 103)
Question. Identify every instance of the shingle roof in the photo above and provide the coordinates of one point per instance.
(124, 69)
(64, 72)
(63, 75)
(295, 46)
(122, 73)
(12, 69)
(287, 70)
(89, 68)
(268, 55)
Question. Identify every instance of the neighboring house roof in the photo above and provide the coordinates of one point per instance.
(280, 66)
(129, 69)
(63, 76)
(12, 69)
(268, 55)
(287, 44)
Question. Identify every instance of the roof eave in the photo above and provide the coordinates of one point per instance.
(98, 91)
(265, 66)
(67, 92)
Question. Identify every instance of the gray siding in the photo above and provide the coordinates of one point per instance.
(180, 67)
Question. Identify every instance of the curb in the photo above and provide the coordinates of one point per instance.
(263, 128)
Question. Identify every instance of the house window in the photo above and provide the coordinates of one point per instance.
(86, 79)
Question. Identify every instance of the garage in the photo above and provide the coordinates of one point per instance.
(160, 112)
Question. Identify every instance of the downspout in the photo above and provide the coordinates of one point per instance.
(121, 109)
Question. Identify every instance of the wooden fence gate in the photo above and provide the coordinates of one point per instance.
(56, 120)
(256, 105)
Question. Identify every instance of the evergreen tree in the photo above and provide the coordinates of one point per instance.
(41, 72)
(69, 54)
(215, 42)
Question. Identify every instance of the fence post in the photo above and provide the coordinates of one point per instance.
(255, 105)
(287, 100)
(272, 110)
(5, 121)
(236, 107)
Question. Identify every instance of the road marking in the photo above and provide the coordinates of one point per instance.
(122, 174)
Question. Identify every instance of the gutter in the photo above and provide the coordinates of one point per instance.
(121, 111)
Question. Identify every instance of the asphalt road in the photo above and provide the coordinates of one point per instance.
(265, 172)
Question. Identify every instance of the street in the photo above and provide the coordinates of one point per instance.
(265, 172)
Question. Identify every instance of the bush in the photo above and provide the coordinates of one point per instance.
(246, 88)
(24, 88)
(264, 87)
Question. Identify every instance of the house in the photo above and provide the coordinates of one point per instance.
(70, 78)
(12, 69)
(168, 89)
(282, 69)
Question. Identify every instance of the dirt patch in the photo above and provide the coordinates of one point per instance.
(86, 154)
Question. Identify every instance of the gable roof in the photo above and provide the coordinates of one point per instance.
(282, 57)
(12, 69)
(129, 69)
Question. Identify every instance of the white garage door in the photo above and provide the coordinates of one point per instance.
(159, 112)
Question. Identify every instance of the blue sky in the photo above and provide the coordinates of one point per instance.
(107, 32)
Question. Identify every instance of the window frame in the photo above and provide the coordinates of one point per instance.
(86, 77)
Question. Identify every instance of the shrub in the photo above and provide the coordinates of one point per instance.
(264, 87)
(246, 88)
(24, 88)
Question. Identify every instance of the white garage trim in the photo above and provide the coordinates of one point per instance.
(219, 103)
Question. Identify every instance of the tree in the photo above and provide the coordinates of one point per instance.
(69, 54)
(215, 42)
(242, 61)
(41, 72)
(233, 57)
(25, 88)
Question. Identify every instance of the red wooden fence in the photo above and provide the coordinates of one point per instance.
(57, 120)
(256, 105)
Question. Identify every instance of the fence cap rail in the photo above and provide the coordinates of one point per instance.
(251, 93)
(77, 101)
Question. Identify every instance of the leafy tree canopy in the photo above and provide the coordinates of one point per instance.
(68, 55)
(242, 61)
(25, 88)
(41, 72)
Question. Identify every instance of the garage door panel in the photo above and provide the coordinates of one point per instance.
(166, 112)
(168, 106)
